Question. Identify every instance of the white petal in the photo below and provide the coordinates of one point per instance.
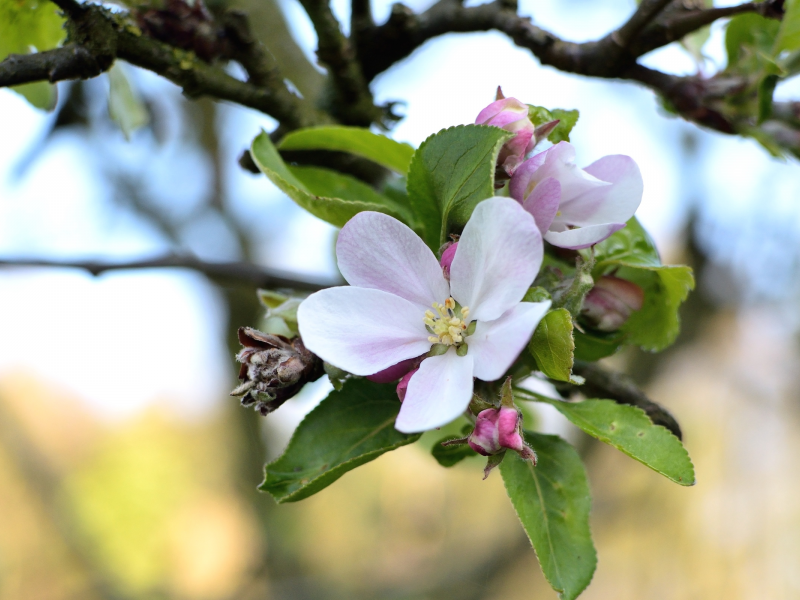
(614, 203)
(495, 345)
(438, 393)
(498, 257)
(360, 330)
(377, 251)
(543, 203)
(583, 237)
(575, 182)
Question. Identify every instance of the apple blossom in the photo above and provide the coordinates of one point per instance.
(399, 306)
(610, 302)
(577, 208)
(512, 115)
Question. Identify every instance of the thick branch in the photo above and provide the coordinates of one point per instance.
(97, 34)
(237, 272)
(601, 383)
(644, 15)
(352, 102)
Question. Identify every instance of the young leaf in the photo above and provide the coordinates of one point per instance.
(552, 345)
(336, 211)
(355, 140)
(331, 184)
(125, 107)
(594, 345)
(628, 429)
(568, 120)
(789, 33)
(631, 254)
(447, 456)
(451, 172)
(552, 501)
(349, 428)
(26, 24)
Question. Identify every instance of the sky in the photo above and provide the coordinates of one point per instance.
(110, 339)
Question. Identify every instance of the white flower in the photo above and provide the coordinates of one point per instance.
(399, 305)
(573, 207)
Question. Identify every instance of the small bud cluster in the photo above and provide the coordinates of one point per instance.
(497, 429)
(273, 369)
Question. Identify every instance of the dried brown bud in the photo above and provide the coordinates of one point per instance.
(274, 369)
(184, 24)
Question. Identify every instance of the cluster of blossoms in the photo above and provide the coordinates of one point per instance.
(436, 325)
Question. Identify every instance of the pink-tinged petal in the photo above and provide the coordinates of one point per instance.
(360, 330)
(543, 203)
(499, 254)
(394, 372)
(615, 203)
(402, 385)
(510, 106)
(377, 251)
(438, 393)
(583, 237)
(495, 345)
(560, 164)
(518, 186)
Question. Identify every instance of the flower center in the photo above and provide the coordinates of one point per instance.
(447, 323)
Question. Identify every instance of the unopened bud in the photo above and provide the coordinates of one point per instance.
(273, 369)
(496, 429)
(395, 372)
(610, 302)
(402, 386)
(447, 259)
(512, 115)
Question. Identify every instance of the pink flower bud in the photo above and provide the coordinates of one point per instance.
(610, 302)
(497, 429)
(447, 259)
(512, 115)
(402, 387)
(394, 372)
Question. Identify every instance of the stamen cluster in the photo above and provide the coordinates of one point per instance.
(448, 324)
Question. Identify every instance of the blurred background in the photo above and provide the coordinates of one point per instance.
(127, 472)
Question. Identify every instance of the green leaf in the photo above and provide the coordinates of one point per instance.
(27, 26)
(336, 211)
(125, 107)
(332, 184)
(447, 456)
(361, 142)
(631, 254)
(569, 119)
(39, 94)
(745, 36)
(629, 429)
(552, 501)
(788, 37)
(349, 428)
(451, 172)
(540, 115)
(766, 89)
(552, 345)
(594, 345)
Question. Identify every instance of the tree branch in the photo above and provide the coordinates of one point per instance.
(352, 100)
(237, 272)
(647, 11)
(97, 34)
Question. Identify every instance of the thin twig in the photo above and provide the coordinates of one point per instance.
(647, 11)
(244, 273)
